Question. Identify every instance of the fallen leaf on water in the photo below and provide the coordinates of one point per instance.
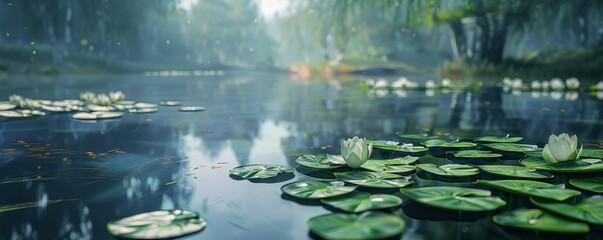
(170, 183)
(216, 167)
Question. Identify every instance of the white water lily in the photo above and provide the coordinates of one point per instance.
(446, 82)
(557, 84)
(404, 83)
(536, 84)
(545, 85)
(430, 84)
(117, 96)
(517, 83)
(561, 148)
(15, 98)
(102, 99)
(355, 151)
(572, 83)
(370, 82)
(87, 96)
(381, 83)
(600, 86)
(507, 82)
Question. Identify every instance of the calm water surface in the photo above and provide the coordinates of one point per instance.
(173, 159)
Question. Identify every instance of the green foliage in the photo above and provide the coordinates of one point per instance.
(532, 189)
(538, 220)
(454, 198)
(357, 202)
(367, 225)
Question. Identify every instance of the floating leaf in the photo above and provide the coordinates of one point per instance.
(316, 189)
(17, 206)
(191, 109)
(476, 154)
(253, 171)
(538, 220)
(573, 166)
(589, 209)
(532, 189)
(498, 139)
(143, 110)
(445, 144)
(420, 137)
(145, 105)
(170, 103)
(374, 179)
(367, 225)
(532, 162)
(360, 201)
(512, 147)
(25, 113)
(514, 171)
(6, 106)
(157, 225)
(396, 165)
(396, 146)
(96, 115)
(71, 108)
(98, 108)
(320, 161)
(453, 170)
(454, 198)
(592, 153)
(593, 184)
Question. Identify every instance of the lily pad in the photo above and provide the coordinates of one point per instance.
(25, 113)
(254, 171)
(316, 189)
(445, 144)
(374, 179)
(593, 184)
(573, 166)
(191, 109)
(495, 139)
(454, 198)
(512, 147)
(170, 103)
(145, 105)
(98, 108)
(398, 147)
(157, 225)
(532, 189)
(6, 106)
(420, 137)
(514, 171)
(396, 165)
(142, 110)
(360, 201)
(70, 108)
(538, 220)
(532, 162)
(589, 209)
(367, 225)
(96, 115)
(453, 170)
(476, 154)
(320, 161)
(592, 153)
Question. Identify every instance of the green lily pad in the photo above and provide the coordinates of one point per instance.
(514, 171)
(254, 171)
(592, 153)
(170, 103)
(512, 147)
(495, 139)
(316, 189)
(396, 165)
(398, 147)
(475, 154)
(320, 161)
(374, 179)
(367, 225)
(25, 113)
(191, 109)
(453, 170)
(573, 166)
(360, 201)
(454, 198)
(532, 189)
(96, 115)
(538, 220)
(443, 143)
(420, 137)
(593, 184)
(589, 209)
(532, 162)
(157, 225)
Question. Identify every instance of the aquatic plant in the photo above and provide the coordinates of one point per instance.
(561, 148)
(355, 151)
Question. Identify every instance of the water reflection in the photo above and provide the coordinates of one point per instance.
(181, 160)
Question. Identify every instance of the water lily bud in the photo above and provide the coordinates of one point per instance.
(536, 85)
(572, 83)
(430, 84)
(15, 98)
(381, 83)
(545, 85)
(102, 99)
(355, 151)
(557, 84)
(87, 96)
(507, 82)
(517, 83)
(117, 96)
(446, 82)
(561, 148)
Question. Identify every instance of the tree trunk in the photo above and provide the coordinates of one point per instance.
(458, 40)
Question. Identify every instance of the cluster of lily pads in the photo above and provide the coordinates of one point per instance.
(90, 106)
(363, 214)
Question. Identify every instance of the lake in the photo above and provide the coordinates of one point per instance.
(104, 170)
